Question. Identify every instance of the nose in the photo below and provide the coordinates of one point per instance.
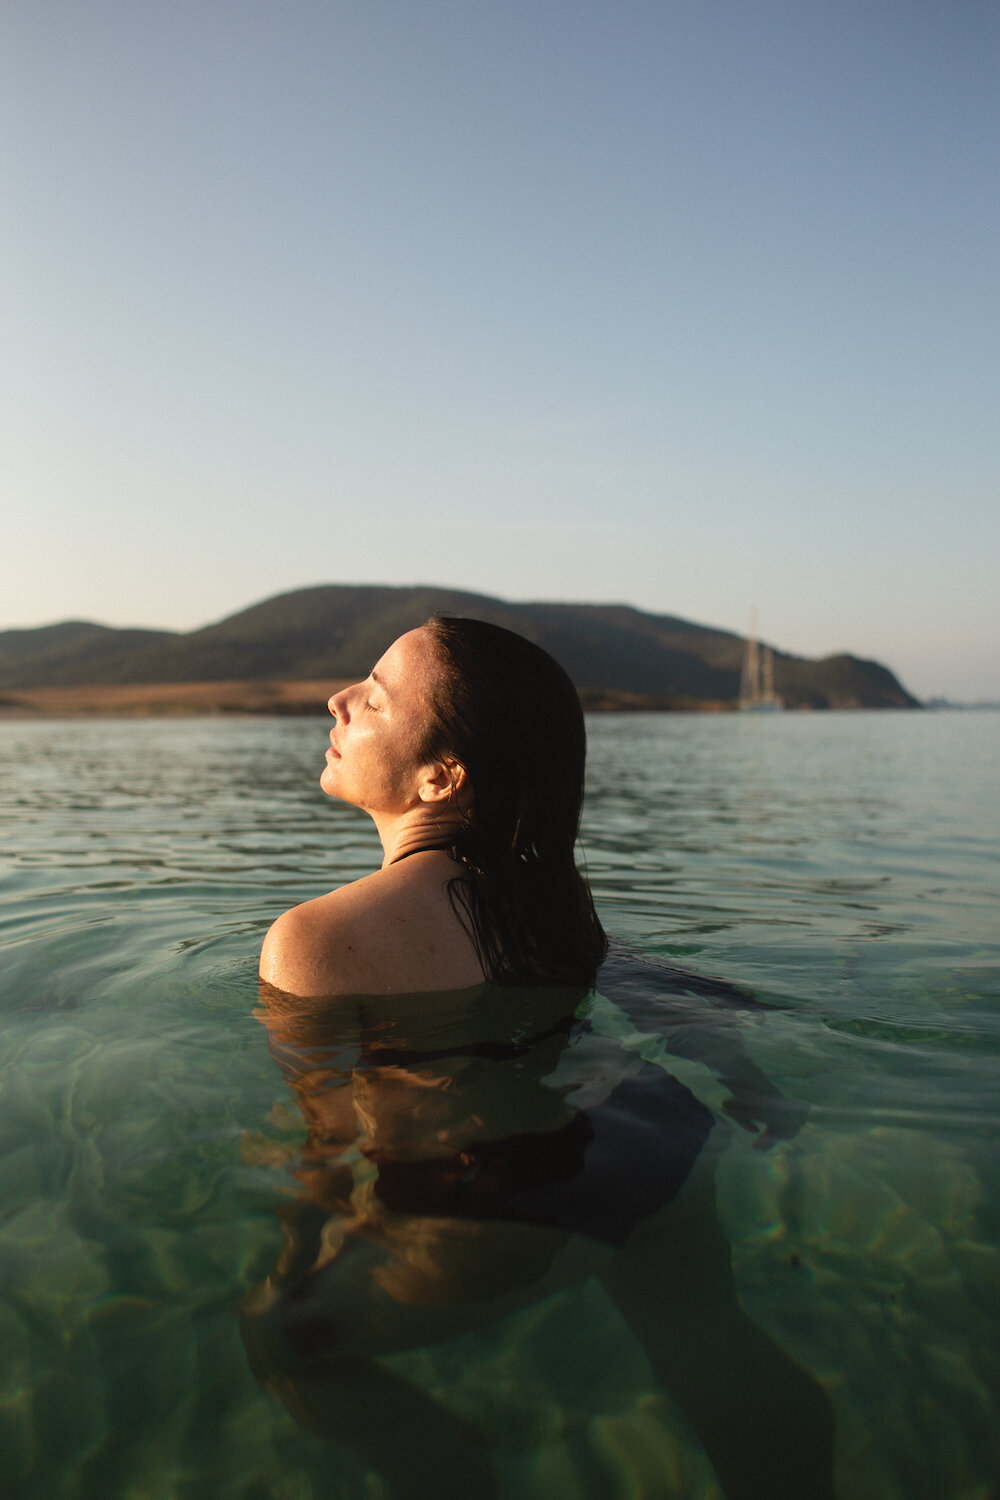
(338, 705)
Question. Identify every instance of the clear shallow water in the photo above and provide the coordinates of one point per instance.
(843, 867)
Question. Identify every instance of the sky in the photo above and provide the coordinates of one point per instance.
(687, 304)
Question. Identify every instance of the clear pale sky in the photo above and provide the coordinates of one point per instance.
(688, 305)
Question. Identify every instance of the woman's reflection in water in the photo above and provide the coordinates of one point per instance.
(474, 1146)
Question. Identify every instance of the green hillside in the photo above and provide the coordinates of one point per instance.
(339, 631)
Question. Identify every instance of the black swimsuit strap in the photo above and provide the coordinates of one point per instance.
(424, 849)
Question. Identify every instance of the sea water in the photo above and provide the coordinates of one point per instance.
(841, 867)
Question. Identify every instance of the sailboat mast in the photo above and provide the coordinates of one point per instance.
(757, 678)
(750, 676)
(767, 671)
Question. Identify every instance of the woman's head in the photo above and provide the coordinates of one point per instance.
(508, 714)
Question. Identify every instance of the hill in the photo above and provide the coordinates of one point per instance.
(617, 655)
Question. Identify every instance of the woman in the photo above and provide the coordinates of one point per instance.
(476, 1138)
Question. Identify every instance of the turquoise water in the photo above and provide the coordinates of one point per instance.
(842, 867)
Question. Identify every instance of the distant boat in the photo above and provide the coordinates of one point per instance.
(757, 695)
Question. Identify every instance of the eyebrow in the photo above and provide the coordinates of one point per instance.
(376, 678)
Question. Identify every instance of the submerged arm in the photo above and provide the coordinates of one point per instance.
(696, 1019)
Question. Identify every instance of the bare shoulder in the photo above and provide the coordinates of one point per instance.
(391, 931)
(306, 947)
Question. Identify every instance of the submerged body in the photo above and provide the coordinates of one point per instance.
(471, 1152)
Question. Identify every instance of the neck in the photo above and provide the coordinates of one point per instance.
(410, 834)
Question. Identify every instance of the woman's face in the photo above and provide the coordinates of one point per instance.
(374, 756)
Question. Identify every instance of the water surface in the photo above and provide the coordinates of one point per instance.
(842, 867)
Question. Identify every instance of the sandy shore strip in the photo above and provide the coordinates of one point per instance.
(133, 700)
(264, 695)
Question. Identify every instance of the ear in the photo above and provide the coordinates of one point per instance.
(444, 781)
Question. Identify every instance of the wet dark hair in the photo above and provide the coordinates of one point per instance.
(509, 714)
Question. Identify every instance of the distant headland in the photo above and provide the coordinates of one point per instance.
(285, 655)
